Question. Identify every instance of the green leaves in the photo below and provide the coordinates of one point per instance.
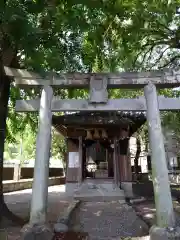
(151, 31)
(86, 36)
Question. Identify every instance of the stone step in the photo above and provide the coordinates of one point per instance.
(100, 196)
(90, 198)
(101, 192)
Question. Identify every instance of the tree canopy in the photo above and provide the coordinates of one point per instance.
(68, 36)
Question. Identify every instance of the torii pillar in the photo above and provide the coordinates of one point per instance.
(38, 212)
(165, 223)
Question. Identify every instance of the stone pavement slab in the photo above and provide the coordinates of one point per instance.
(107, 220)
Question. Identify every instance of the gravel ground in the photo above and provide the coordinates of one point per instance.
(19, 203)
(106, 220)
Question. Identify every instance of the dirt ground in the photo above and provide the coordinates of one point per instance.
(147, 211)
(19, 203)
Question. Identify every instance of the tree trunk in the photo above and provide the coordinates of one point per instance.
(6, 215)
(138, 151)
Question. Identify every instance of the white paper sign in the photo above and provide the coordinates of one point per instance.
(73, 159)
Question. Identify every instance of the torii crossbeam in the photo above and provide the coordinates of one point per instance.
(162, 79)
(136, 104)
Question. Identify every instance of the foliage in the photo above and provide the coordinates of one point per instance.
(23, 148)
(92, 36)
(58, 145)
(146, 34)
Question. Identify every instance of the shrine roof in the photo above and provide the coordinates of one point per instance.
(101, 119)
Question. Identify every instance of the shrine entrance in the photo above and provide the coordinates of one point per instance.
(96, 161)
(98, 101)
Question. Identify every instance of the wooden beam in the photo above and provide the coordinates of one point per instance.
(136, 104)
(112, 132)
(163, 79)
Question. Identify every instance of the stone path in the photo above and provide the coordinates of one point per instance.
(19, 203)
(105, 220)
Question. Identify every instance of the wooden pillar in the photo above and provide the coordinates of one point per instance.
(80, 161)
(162, 193)
(107, 162)
(83, 162)
(72, 170)
(129, 170)
(124, 162)
(115, 165)
(41, 169)
(110, 163)
(123, 167)
(107, 155)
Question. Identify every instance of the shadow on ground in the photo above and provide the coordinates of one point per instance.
(19, 203)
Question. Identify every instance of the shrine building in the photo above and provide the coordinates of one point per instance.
(101, 141)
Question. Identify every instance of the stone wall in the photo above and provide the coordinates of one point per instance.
(10, 186)
(27, 172)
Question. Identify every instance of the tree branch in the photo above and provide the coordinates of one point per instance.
(171, 61)
(161, 55)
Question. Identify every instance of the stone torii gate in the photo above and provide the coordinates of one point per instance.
(98, 101)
